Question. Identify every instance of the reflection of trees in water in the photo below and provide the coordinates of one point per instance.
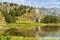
(50, 31)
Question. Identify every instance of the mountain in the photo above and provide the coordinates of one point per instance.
(16, 13)
(50, 11)
(21, 13)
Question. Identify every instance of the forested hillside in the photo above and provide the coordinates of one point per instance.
(21, 13)
(17, 13)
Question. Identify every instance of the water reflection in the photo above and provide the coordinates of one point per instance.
(51, 34)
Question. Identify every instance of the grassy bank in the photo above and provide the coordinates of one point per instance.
(29, 25)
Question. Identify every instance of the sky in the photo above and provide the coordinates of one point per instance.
(36, 3)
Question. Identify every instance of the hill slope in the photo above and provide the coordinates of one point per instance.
(14, 12)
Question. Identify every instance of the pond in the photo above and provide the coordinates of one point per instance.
(50, 32)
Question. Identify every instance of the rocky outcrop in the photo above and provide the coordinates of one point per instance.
(36, 16)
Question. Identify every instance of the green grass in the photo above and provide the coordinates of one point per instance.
(29, 24)
(22, 24)
(24, 38)
(17, 38)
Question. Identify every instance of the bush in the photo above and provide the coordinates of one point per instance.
(8, 18)
(5, 2)
(11, 4)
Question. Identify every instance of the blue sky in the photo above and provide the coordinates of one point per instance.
(37, 3)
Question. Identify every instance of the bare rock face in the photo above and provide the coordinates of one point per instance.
(37, 15)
